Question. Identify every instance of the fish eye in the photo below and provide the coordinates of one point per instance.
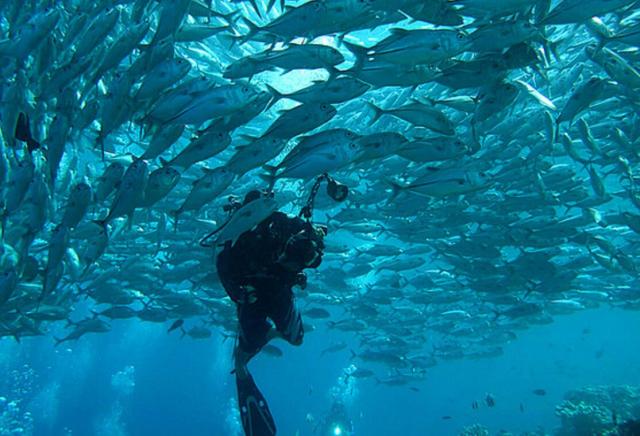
(460, 36)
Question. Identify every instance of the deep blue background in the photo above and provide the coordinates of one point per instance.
(183, 386)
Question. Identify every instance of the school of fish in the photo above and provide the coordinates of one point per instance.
(491, 149)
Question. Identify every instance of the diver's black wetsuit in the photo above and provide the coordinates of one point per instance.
(258, 272)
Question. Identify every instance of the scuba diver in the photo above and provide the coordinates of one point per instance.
(337, 421)
(258, 272)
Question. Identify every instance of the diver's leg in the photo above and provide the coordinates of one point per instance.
(252, 334)
(286, 317)
(255, 415)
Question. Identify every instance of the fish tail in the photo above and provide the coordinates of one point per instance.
(271, 4)
(396, 189)
(102, 223)
(333, 72)
(253, 31)
(130, 221)
(22, 131)
(232, 17)
(496, 315)
(359, 52)
(377, 112)
(3, 221)
(254, 5)
(175, 214)
(275, 96)
(100, 143)
(226, 336)
(271, 176)
(230, 41)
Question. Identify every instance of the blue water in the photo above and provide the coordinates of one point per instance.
(184, 386)
(138, 380)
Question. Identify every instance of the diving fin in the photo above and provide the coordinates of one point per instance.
(254, 411)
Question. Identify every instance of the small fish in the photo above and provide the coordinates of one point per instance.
(272, 350)
(317, 313)
(176, 325)
(539, 392)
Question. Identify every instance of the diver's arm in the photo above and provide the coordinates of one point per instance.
(304, 247)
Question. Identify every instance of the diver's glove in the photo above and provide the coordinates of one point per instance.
(301, 280)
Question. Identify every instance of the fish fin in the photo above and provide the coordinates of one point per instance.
(399, 31)
(164, 162)
(377, 112)
(247, 138)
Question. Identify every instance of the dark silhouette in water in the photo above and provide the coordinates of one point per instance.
(258, 272)
(23, 132)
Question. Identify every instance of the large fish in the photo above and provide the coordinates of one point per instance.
(437, 182)
(246, 218)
